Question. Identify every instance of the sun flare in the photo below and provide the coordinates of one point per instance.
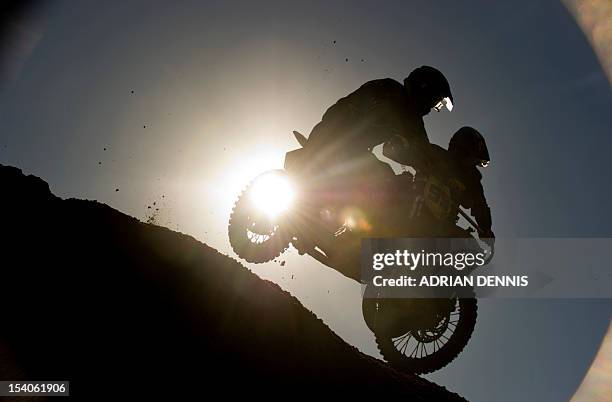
(272, 193)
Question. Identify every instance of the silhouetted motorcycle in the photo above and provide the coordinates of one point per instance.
(325, 214)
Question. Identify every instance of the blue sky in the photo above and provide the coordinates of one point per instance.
(219, 86)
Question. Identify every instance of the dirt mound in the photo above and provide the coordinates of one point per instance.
(118, 307)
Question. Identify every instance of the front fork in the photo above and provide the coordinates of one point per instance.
(316, 242)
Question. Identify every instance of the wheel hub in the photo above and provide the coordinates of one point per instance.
(431, 334)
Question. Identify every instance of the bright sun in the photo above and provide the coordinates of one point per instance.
(231, 181)
(272, 193)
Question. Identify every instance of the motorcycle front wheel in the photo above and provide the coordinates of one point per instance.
(424, 350)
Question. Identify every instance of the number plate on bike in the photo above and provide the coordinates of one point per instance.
(438, 197)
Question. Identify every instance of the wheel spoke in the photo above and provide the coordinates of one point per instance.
(399, 340)
(403, 350)
(414, 350)
(431, 341)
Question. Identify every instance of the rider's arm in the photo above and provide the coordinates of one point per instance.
(410, 143)
(385, 113)
(414, 151)
(395, 147)
(481, 211)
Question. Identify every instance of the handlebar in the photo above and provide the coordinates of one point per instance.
(480, 231)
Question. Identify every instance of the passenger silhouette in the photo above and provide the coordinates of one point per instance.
(469, 150)
(456, 169)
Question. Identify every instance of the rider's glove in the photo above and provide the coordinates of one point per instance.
(395, 148)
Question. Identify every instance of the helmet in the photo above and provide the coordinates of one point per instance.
(430, 88)
(469, 145)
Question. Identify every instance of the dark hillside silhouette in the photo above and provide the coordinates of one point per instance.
(118, 307)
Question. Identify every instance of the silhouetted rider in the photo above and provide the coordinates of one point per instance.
(377, 111)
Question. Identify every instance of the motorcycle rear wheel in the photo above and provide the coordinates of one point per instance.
(254, 237)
